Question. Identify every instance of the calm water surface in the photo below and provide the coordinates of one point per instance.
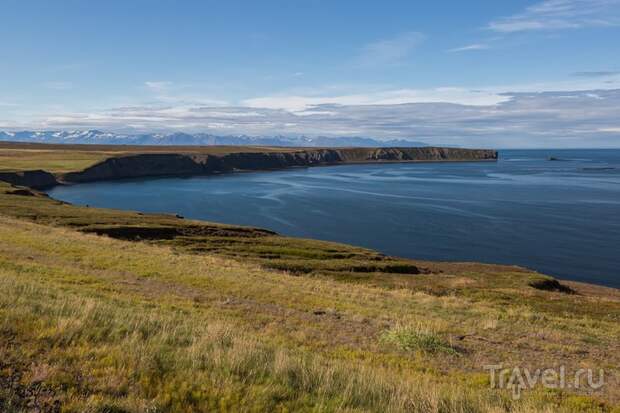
(558, 217)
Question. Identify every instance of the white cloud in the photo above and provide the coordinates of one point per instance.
(582, 110)
(297, 103)
(469, 47)
(390, 51)
(561, 14)
(582, 117)
(158, 85)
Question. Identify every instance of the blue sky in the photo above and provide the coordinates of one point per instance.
(494, 73)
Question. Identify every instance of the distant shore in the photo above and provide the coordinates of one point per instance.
(58, 164)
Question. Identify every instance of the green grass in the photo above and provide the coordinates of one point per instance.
(53, 161)
(60, 158)
(417, 338)
(125, 356)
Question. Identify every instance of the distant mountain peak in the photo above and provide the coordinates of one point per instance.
(94, 136)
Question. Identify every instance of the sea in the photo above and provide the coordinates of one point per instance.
(554, 211)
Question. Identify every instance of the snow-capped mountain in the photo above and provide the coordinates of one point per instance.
(180, 138)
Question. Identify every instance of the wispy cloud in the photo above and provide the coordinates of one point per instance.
(301, 103)
(158, 85)
(595, 74)
(561, 14)
(470, 47)
(390, 51)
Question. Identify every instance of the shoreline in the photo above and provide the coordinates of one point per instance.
(570, 282)
(154, 162)
(128, 161)
(249, 171)
(422, 267)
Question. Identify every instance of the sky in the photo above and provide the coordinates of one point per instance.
(476, 73)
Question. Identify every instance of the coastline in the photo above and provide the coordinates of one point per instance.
(203, 163)
(215, 160)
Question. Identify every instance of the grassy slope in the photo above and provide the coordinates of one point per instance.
(205, 317)
(68, 158)
(96, 322)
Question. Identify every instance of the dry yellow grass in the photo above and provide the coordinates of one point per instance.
(98, 324)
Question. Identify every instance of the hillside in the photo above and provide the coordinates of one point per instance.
(117, 311)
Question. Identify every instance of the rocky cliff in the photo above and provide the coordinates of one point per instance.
(33, 179)
(144, 165)
(196, 163)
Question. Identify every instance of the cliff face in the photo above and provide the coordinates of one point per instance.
(416, 154)
(178, 164)
(32, 179)
(135, 166)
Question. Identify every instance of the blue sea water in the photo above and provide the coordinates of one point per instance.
(558, 217)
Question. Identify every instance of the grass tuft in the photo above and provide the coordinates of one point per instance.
(417, 338)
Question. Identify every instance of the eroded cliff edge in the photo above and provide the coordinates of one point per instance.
(135, 166)
(185, 164)
(34, 179)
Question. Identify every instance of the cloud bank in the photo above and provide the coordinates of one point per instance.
(585, 118)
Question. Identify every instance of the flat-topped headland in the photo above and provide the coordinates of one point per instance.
(87, 163)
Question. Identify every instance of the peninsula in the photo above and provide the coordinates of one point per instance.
(43, 165)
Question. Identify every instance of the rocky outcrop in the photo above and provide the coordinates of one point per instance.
(33, 179)
(148, 165)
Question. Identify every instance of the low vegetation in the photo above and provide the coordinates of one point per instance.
(89, 323)
(61, 158)
(116, 311)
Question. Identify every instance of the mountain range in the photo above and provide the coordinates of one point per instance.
(179, 138)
